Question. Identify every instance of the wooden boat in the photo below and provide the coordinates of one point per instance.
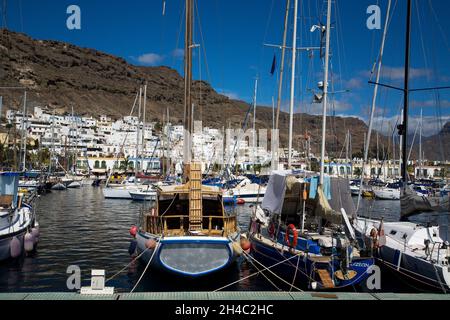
(189, 233)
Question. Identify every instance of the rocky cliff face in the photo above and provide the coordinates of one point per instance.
(61, 76)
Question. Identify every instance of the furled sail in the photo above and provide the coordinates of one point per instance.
(324, 210)
(412, 203)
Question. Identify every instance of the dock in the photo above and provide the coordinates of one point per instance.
(223, 296)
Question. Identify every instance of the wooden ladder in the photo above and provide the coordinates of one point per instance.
(195, 197)
(325, 278)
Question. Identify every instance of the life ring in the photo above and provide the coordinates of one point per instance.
(294, 234)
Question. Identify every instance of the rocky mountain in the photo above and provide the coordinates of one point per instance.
(61, 76)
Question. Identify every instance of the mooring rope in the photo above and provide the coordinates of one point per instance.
(254, 274)
(270, 281)
(392, 266)
(123, 269)
(277, 276)
(146, 267)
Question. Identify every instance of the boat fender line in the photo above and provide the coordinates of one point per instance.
(374, 237)
(133, 231)
(271, 229)
(15, 248)
(146, 267)
(126, 267)
(132, 247)
(28, 242)
(294, 235)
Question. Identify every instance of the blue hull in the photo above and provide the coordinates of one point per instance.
(188, 256)
(269, 256)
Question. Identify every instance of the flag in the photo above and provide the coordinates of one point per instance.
(274, 65)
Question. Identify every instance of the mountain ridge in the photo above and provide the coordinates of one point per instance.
(61, 75)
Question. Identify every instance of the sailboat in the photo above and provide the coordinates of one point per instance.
(391, 191)
(19, 230)
(303, 229)
(188, 233)
(133, 183)
(411, 250)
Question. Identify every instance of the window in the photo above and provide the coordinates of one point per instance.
(97, 164)
(342, 170)
(103, 164)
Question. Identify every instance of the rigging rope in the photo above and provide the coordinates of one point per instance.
(146, 267)
(254, 274)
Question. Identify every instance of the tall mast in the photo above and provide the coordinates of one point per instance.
(24, 132)
(400, 147)
(254, 122)
(420, 145)
(188, 81)
(325, 92)
(404, 127)
(283, 50)
(143, 126)
(374, 101)
(291, 107)
(136, 167)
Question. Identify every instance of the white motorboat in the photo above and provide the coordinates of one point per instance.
(143, 195)
(59, 186)
(413, 250)
(19, 231)
(29, 184)
(122, 190)
(389, 192)
(74, 185)
(246, 190)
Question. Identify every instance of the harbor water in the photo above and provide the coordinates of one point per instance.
(81, 228)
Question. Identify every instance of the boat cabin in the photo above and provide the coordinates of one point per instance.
(190, 209)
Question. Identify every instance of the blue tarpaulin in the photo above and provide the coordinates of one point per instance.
(314, 183)
(9, 183)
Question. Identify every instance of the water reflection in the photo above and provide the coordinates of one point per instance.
(79, 227)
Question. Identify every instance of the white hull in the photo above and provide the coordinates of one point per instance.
(74, 185)
(120, 192)
(354, 190)
(143, 195)
(59, 186)
(405, 252)
(22, 221)
(249, 195)
(387, 193)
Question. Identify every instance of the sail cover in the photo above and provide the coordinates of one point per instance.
(324, 210)
(411, 203)
(274, 196)
(341, 196)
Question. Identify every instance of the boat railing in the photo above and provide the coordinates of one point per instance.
(178, 225)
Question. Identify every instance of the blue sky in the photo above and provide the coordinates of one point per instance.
(232, 53)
